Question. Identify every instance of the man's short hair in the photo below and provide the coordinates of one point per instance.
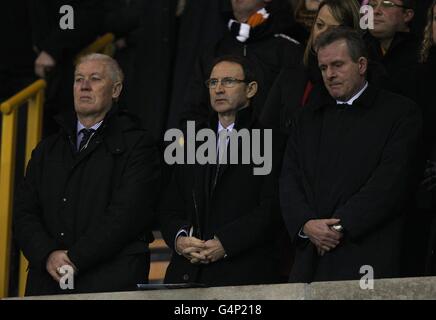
(246, 64)
(356, 45)
(115, 71)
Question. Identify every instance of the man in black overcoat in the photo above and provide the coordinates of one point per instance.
(348, 171)
(85, 203)
(221, 219)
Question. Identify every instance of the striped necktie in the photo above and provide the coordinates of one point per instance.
(86, 136)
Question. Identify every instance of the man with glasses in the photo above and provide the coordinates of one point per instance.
(219, 218)
(391, 43)
(255, 29)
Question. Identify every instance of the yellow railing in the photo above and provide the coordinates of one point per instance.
(34, 95)
(102, 44)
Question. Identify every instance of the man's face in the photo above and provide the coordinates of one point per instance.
(389, 20)
(222, 99)
(342, 76)
(94, 89)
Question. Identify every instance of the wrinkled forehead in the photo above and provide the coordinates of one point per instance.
(91, 67)
(227, 69)
(337, 50)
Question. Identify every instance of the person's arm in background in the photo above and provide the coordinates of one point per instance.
(55, 45)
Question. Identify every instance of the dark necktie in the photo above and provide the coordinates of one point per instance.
(86, 136)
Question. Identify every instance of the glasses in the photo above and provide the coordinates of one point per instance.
(227, 82)
(386, 4)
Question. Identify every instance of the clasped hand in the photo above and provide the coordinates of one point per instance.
(200, 251)
(322, 235)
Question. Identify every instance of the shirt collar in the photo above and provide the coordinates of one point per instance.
(80, 126)
(221, 127)
(355, 97)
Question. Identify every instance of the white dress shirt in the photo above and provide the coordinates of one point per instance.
(355, 97)
(221, 128)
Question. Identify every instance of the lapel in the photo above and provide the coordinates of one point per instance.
(110, 133)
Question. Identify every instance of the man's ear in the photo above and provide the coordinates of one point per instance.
(116, 90)
(363, 65)
(251, 89)
(408, 15)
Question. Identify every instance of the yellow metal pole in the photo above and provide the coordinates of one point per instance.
(21, 97)
(7, 170)
(102, 44)
(33, 136)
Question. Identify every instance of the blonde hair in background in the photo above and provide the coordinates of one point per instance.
(428, 35)
(346, 12)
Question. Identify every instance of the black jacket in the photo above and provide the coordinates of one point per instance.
(418, 84)
(285, 98)
(15, 32)
(402, 54)
(61, 44)
(357, 164)
(96, 204)
(149, 28)
(269, 51)
(201, 24)
(241, 209)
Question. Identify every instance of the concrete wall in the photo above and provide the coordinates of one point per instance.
(405, 288)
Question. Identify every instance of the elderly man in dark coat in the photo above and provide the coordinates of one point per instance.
(349, 167)
(87, 196)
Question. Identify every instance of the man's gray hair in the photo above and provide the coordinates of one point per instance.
(356, 45)
(115, 71)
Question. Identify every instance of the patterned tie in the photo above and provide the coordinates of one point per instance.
(86, 136)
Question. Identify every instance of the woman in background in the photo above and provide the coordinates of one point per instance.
(305, 14)
(292, 87)
(425, 85)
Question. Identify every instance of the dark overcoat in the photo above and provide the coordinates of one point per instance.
(358, 164)
(95, 204)
(241, 209)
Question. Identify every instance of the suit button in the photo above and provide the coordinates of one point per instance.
(64, 200)
(186, 277)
